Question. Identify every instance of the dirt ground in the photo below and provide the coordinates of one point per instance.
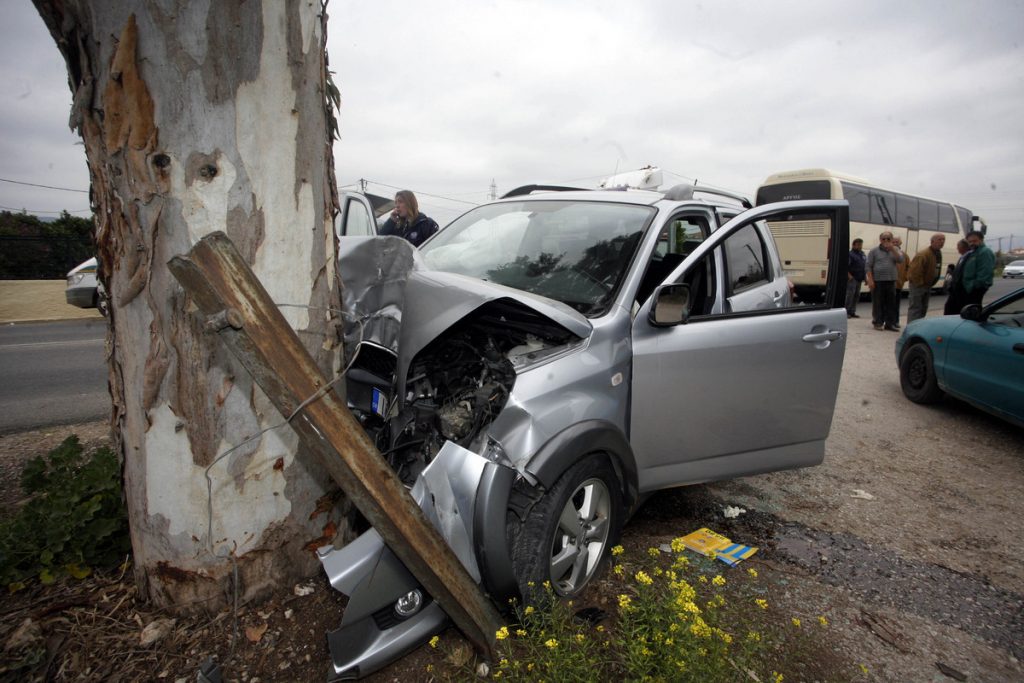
(907, 538)
(35, 300)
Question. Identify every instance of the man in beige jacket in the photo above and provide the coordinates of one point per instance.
(924, 271)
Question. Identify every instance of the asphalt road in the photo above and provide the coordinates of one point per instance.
(52, 373)
(55, 373)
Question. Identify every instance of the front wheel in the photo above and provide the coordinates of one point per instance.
(917, 375)
(568, 532)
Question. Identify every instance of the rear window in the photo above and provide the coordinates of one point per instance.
(787, 192)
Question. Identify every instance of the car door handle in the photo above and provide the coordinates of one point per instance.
(1019, 348)
(828, 335)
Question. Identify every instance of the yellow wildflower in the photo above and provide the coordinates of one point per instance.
(580, 637)
(703, 579)
(657, 571)
(823, 621)
(752, 572)
(503, 662)
(645, 652)
(718, 580)
(863, 669)
(643, 578)
(754, 637)
(726, 638)
(796, 622)
(624, 602)
(501, 633)
(776, 677)
(618, 550)
(551, 643)
(430, 667)
(521, 632)
(529, 666)
(699, 628)
(617, 569)
(703, 652)
(763, 604)
(529, 610)
(678, 545)
(654, 552)
(600, 628)
(434, 641)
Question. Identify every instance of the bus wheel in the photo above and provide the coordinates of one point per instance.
(917, 375)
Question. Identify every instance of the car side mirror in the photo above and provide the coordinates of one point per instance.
(671, 305)
(971, 312)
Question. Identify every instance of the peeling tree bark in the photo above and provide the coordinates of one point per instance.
(197, 117)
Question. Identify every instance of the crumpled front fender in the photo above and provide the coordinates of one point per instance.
(464, 495)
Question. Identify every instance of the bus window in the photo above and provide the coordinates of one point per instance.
(947, 222)
(883, 204)
(860, 202)
(966, 220)
(906, 211)
(928, 214)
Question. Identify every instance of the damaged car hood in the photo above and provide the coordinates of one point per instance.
(402, 305)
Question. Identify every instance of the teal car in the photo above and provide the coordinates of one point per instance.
(977, 356)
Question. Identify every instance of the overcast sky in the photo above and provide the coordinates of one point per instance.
(442, 97)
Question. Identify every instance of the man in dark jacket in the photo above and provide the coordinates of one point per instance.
(855, 277)
(407, 221)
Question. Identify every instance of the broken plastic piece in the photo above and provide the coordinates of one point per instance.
(706, 541)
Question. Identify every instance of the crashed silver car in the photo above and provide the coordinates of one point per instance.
(547, 360)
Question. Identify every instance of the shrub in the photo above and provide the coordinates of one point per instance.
(75, 520)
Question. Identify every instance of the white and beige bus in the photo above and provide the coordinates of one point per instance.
(804, 244)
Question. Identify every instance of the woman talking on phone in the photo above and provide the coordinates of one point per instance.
(407, 221)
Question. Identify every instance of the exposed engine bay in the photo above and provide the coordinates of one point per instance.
(456, 385)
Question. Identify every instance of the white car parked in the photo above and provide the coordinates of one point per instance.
(83, 289)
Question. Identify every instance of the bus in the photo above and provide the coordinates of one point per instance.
(804, 244)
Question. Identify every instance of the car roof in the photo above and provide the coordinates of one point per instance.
(676, 195)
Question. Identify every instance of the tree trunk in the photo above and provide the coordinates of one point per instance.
(203, 116)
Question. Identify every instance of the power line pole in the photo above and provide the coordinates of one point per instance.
(362, 185)
(494, 190)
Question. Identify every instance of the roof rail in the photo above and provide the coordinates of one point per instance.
(527, 189)
(684, 191)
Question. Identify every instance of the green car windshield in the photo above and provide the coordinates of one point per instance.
(571, 251)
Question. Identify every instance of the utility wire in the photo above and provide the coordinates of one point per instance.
(425, 194)
(48, 187)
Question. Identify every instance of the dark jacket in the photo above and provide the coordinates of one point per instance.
(857, 265)
(420, 229)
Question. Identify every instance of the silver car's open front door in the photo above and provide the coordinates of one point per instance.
(744, 379)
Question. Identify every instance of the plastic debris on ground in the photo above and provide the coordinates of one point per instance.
(705, 541)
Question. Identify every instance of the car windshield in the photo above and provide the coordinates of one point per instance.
(576, 252)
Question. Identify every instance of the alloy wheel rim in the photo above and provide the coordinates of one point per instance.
(581, 536)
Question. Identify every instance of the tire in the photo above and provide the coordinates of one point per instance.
(917, 375)
(585, 504)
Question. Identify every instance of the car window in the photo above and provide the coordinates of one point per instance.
(357, 219)
(1010, 314)
(678, 238)
(746, 260)
(575, 252)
